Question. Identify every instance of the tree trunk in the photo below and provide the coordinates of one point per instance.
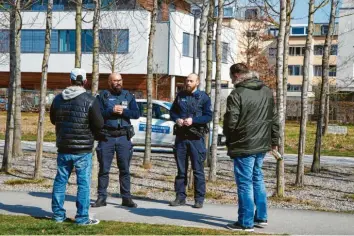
(304, 97)
(209, 72)
(203, 29)
(42, 103)
(95, 78)
(78, 21)
(10, 120)
(17, 149)
(326, 117)
(216, 113)
(316, 167)
(280, 95)
(285, 70)
(147, 154)
(195, 43)
(96, 47)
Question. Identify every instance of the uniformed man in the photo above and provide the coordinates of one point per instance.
(118, 106)
(191, 111)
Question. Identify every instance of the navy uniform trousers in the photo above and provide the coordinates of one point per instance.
(195, 149)
(123, 148)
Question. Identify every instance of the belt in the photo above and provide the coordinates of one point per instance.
(117, 133)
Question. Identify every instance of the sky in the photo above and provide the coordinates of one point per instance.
(301, 12)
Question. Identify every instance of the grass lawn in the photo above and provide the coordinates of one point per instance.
(333, 145)
(26, 225)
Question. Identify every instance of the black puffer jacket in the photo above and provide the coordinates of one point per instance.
(251, 121)
(77, 119)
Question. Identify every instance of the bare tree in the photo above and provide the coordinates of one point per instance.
(203, 28)
(323, 95)
(216, 114)
(149, 82)
(42, 103)
(280, 94)
(78, 30)
(96, 47)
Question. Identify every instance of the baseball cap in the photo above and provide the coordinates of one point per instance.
(78, 72)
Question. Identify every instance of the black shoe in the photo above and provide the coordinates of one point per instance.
(128, 202)
(260, 223)
(178, 202)
(99, 202)
(198, 205)
(237, 227)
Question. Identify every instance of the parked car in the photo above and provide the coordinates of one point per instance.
(162, 125)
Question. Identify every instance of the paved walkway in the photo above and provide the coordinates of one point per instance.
(158, 212)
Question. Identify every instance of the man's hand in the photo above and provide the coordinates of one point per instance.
(118, 109)
(275, 148)
(179, 122)
(188, 122)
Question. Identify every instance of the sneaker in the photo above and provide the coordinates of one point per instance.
(178, 202)
(91, 222)
(198, 205)
(260, 223)
(237, 227)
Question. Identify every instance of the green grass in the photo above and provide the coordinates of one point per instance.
(26, 225)
(349, 196)
(23, 181)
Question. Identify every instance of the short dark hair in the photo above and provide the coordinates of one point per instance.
(239, 68)
(78, 82)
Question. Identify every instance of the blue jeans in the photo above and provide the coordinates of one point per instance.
(250, 189)
(83, 166)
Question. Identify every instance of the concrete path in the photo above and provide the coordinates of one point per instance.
(158, 212)
(222, 154)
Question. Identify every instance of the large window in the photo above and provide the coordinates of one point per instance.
(33, 41)
(297, 51)
(4, 40)
(319, 50)
(295, 70)
(186, 45)
(317, 71)
(67, 40)
(114, 40)
(251, 13)
(294, 88)
(298, 30)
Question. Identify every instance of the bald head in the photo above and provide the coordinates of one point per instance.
(192, 82)
(115, 82)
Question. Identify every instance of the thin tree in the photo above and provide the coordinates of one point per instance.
(149, 85)
(96, 47)
(203, 30)
(280, 95)
(42, 102)
(216, 113)
(78, 29)
(323, 94)
(209, 71)
(17, 149)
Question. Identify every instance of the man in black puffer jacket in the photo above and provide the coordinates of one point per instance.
(251, 129)
(77, 119)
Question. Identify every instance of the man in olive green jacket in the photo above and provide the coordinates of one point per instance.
(251, 129)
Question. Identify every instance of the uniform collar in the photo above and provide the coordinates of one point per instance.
(196, 94)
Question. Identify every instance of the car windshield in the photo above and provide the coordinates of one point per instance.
(169, 104)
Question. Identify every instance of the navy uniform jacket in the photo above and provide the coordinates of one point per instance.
(108, 100)
(195, 105)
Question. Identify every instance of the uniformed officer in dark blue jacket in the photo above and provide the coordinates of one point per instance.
(118, 106)
(191, 111)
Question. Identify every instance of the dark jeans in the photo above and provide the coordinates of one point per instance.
(250, 189)
(122, 147)
(83, 167)
(197, 152)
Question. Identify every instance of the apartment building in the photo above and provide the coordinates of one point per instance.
(124, 34)
(345, 63)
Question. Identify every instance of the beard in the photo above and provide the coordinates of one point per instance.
(190, 88)
(116, 89)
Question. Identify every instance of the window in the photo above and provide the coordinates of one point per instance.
(324, 29)
(318, 50)
(251, 13)
(274, 32)
(32, 41)
(297, 51)
(317, 70)
(158, 112)
(295, 70)
(332, 71)
(225, 52)
(114, 40)
(86, 41)
(298, 30)
(273, 52)
(228, 12)
(294, 88)
(334, 49)
(4, 40)
(67, 40)
(186, 44)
